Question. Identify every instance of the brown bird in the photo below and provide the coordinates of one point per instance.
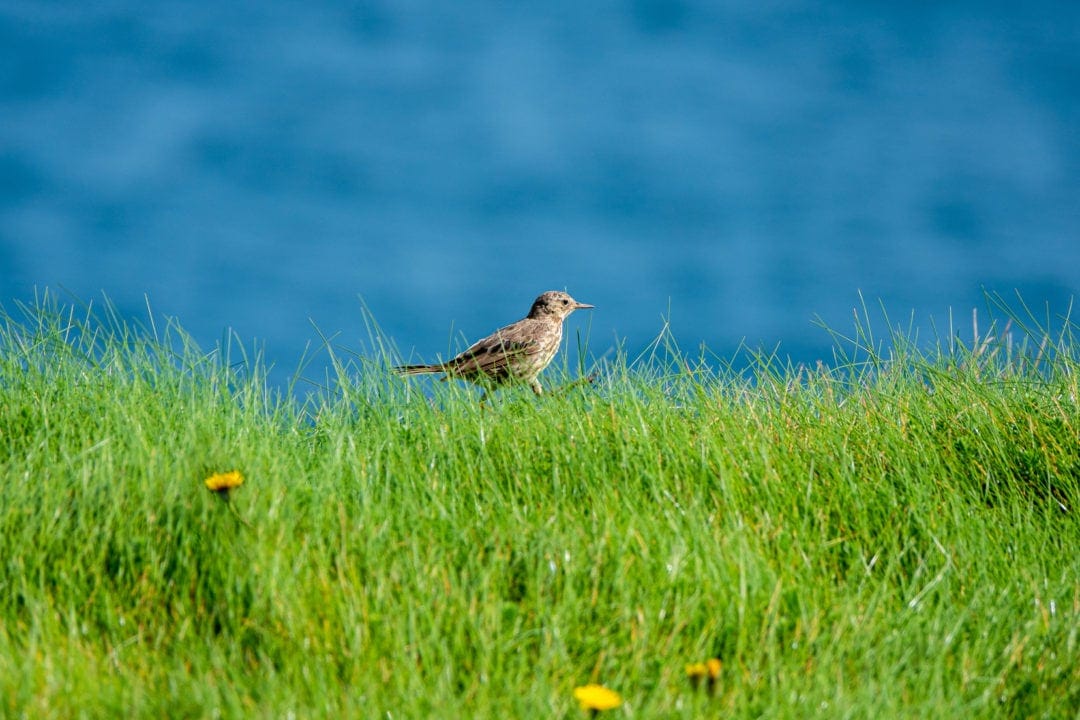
(515, 353)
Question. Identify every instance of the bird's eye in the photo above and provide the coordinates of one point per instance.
(565, 302)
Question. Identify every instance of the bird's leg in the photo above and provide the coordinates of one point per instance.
(536, 387)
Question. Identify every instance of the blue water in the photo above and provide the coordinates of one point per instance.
(737, 168)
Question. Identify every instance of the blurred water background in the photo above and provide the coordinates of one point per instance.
(737, 168)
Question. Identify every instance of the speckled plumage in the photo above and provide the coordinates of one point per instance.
(515, 353)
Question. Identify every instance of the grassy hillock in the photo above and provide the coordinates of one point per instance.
(893, 535)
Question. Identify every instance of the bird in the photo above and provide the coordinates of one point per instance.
(516, 353)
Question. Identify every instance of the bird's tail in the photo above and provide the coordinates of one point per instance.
(417, 369)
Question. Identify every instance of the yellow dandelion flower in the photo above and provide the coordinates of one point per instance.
(696, 671)
(224, 482)
(595, 698)
(708, 670)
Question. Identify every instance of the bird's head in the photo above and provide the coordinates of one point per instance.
(555, 304)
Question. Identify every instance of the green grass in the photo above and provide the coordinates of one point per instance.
(896, 535)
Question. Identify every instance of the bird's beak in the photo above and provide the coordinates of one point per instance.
(582, 306)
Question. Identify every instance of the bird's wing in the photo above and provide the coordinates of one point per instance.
(492, 355)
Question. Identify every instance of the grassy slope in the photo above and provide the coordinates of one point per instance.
(895, 541)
